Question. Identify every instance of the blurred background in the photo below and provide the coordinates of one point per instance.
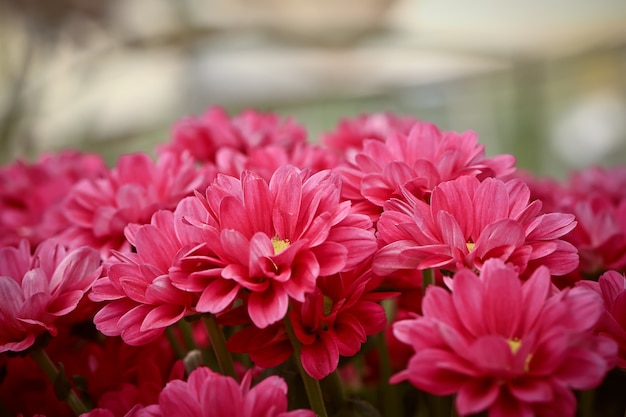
(544, 80)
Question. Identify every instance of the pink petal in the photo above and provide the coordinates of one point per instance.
(468, 301)
(476, 395)
(491, 204)
(217, 296)
(286, 187)
(268, 307)
(321, 358)
(531, 390)
(162, 316)
(258, 202)
(177, 400)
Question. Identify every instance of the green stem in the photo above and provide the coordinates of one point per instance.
(453, 412)
(332, 384)
(49, 368)
(389, 400)
(218, 342)
(585, 403)
(171, 337)
(187, 332)
(311, 385)
(428, 278)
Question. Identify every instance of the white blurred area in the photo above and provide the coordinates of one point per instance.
(541, 79)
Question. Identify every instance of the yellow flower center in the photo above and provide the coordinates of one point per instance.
(470, 246)
(514, 345)
(279, 244)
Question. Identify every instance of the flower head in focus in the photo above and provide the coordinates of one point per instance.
(468, 222)
(511, 347)
(142, 301)
(416, 162)
(272, 240)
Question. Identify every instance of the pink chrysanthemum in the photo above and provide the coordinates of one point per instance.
(507, 346)
(597, 197)
(349, 134)
(259, 142)
(143, 301)
(607, 182)
(272, 240)
(267, 159)
(612, 287)
(136, 187)
(203, 137)
(417, 162)
(31, 195)
(37, 290)
(601, 234)
(208, 394)
(334, 320)
(468, 222)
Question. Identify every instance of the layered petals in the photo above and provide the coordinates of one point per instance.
(39, 289)
(519, 352)
(469, 221)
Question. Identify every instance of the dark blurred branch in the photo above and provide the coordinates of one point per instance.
(13, 111)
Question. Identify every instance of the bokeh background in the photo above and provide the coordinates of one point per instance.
(542, 79)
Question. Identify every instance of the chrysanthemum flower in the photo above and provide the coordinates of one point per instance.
(468, 222)
(350, 134)
(336, 319)
(597, 197)
(136, 187)
(267, 159)
(600, 236)
(208, 394)
(205, 136)
(31, 195)
(37, 290)
(511, 347)
(612, 287)
(417, 162)
(142, 299)
(273, 240)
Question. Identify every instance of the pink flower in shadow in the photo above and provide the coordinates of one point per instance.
(39, 289)
(136, 187)
(31, 195)
(612, 287)
(208, 394)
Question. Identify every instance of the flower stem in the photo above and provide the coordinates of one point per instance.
(428, 278)
(311, 385)
(52, 372)
(174, 343)
(187, 332)
(387, 395)
(332, 384)
(218, 341)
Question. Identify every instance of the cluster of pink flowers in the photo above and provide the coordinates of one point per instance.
(390, 252)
